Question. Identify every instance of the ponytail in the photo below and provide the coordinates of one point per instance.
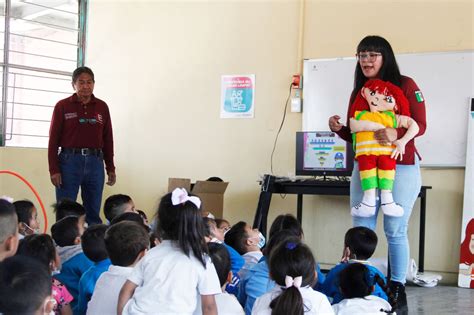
(378, 280)
(289, 301)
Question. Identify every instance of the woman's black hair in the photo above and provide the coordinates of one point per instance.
(389, 70)
(24, 210)
(182, 223)
(286, 222)
(38, 246)
(294, 259)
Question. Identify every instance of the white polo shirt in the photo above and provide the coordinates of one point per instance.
(107, 288)
(369, 305)
(169, 281)
(314, 302)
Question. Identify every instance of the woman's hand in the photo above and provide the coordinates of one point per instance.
(334, 123)
(386, 136)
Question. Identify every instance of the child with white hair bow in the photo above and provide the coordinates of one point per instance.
(292, 266)
(176, 273)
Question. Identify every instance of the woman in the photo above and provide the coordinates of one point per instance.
(377, 60)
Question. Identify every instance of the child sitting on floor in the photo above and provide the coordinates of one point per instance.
(27, 218)
(41, 247)
(115, 205)
(67, 207)
(93, 245)
(247, 242)
(292, 266)
(126, 243)
(67, 234)
(359, 245)
(25, 287)
(356, 286)
(8, 230)
(175, 274)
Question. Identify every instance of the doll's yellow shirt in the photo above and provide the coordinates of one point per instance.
(365, 143)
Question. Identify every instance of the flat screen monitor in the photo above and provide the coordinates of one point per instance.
(323, 153)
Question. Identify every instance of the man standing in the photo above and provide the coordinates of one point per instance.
(80, 140)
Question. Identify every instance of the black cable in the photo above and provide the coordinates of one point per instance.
(279, 130)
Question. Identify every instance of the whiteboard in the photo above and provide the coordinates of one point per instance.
(444, 78)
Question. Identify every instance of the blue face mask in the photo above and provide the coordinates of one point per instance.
(261, 240)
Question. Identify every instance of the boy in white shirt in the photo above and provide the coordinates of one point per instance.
(126, 244)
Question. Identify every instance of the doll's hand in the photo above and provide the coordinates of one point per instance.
(399, 149)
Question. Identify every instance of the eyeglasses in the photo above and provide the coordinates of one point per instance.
(371, 57)
(91, 121)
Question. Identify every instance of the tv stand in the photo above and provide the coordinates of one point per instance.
(319, 187)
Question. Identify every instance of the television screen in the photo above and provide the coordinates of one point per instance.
(323, 153)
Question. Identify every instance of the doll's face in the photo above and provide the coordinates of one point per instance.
(378, 102)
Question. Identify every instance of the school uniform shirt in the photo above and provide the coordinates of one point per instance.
(87, 283)
(314, 302)
(330, 286)
(73, 265)
(107, 288)
(227, 304)
(251, 259)
(369, 305)
(169, 282)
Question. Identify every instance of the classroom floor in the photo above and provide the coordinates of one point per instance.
(440, 300)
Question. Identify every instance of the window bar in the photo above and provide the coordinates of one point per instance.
(6, 39)
(44, 39)
(64, 28)
(81, 45)
(10, 134)
(39, 90)
(35, 105)
(39, 76)
(38, 55)
(46, 7)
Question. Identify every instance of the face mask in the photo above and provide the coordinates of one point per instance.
(35, 231)
(261, 240)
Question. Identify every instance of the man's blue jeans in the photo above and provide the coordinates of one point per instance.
(87, 172)
(407, 185)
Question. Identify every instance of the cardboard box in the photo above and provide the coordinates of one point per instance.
(210, 192)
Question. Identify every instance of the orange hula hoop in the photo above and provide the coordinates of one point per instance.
(34, 192)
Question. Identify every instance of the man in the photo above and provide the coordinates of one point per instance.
(81, 132)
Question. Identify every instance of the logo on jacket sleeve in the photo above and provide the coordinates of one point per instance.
(419, 96)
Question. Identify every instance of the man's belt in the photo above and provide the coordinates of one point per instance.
(82, 151)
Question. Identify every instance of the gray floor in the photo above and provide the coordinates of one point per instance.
(440, 300)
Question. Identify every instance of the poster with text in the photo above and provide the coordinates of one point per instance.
(466, 261)
(237, 96)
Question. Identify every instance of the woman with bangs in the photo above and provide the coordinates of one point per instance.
(376, 60)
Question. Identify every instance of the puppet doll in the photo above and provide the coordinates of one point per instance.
(379, 105)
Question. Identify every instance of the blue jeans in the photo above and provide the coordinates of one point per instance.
(87, 172)
(407, 185)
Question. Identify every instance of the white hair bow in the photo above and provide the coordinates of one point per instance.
(293, 282)
(180, 195)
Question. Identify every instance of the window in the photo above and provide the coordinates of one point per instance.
(41, 43)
